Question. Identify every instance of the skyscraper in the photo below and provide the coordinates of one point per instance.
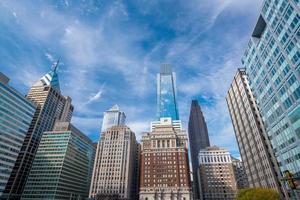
(164, 166)
(113, 117)
(217, 175)
(198, 138)
(63, 165)
(52, 106)
(164, 163)
(16, 113)
(114, 173)
(252, 139)
(166, 93)
(272, 60)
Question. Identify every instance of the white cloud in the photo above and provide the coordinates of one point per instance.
(112, 44)
(139, 127)
(49, 57)
(97, 96)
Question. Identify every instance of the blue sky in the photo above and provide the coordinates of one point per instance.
(111, 51)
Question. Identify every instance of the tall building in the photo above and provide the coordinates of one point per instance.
(114, 173)
(52, 106)
(198, 139)
(63, 165)
(16, 113)
(113, 117)
(166, 93)
(254, 146)
(272, 60)
(240, 173)
(217, 175)
(164, 163)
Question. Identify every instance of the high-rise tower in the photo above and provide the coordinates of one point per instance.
(164, 164)
(256, 153)
(52, 106)
(115, 169)
(16, 113)
(198, 139)
(272, 62)
(113, 117)
(166, 93)
(63, 165)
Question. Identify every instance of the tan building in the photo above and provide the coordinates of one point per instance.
(52, 107)
(217, 179)
(164, 166)
(240, 173)
(254, 144)
(115, 168)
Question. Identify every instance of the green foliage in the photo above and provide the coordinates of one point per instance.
(258, 194)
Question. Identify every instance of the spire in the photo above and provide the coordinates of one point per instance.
(55, 65)
(51, 78)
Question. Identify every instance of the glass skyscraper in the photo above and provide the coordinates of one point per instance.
(272, 62)
(113, 117)
(52, 106)
(166, 93)
(16, 113)
(63, 165)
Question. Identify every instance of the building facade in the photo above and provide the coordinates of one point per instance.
(113, 117)
(198, 139)
(272, 60)
(115, 165)
(16, 113)
(240, 173)
(217, 176)
(52, 106)
(166, 93)
(63, 165)
(164, 166)
(255, 149)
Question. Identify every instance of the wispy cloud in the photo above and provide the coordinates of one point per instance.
(49, 57)
(122, 45)
(97, 96)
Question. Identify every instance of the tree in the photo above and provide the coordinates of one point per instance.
(258, 194)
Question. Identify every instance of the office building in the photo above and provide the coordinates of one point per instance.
(272, 61)
(114, 173)
(164, 166)
(16, 113)
(198, 139)
(240, 173)
(259, 161)
(52, 106)
(166, 93)
(217, 175)
(113, 117)
(63, 165)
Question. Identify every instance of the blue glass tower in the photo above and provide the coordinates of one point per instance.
(16, 113)
(166, 93)
(272, 62)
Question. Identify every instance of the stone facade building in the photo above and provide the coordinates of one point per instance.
(115, 169)
(164, 166)
(254, 145)
(217, 175)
